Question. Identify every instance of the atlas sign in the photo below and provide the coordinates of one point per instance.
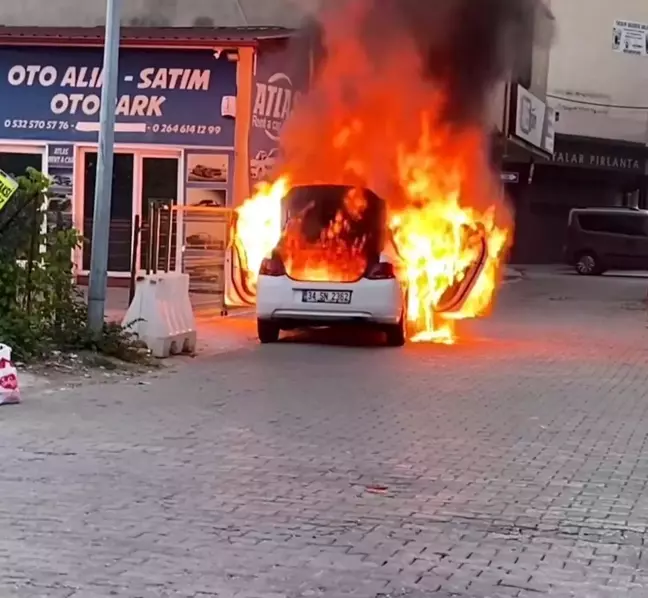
(273, 104)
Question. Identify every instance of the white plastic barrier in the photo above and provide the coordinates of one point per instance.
(161, 314)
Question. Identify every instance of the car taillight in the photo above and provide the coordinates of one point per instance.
(381, 271)
(272, 266)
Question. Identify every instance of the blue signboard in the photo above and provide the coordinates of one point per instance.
(166, 97)
(279, 80)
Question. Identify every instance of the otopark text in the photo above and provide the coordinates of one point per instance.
(83, 99)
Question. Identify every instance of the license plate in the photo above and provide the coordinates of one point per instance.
(336, 297)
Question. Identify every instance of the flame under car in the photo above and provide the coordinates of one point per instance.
(336, 264)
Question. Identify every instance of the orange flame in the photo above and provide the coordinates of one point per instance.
(331, 256)
(440, 241)
(258, 227)
(378, 125)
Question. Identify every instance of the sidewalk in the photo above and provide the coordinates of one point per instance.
(117, 298)
(219, 334)
(117, 305)
(216, 333)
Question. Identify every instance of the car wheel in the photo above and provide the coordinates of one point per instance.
(397, 333)
(587, 264)
(267, 331)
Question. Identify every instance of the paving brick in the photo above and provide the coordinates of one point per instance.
(513, 465)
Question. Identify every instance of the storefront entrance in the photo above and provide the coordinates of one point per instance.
(138, 177)
(584, 173)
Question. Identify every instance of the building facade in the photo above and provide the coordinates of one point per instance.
(197, 118)
(202, 84)
(596, 82)
(597, 89)
(157, 13)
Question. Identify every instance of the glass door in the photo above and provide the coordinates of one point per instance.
(120, 243)
(158, 183)
(139, 177)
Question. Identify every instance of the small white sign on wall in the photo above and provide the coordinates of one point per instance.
(629, 37)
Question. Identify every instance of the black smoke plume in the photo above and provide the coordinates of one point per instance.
(464, 45)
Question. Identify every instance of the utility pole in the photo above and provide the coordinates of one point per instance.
(105, 158)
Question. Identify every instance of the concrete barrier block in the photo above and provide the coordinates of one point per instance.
(161, 314)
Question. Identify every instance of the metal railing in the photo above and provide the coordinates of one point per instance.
(190, 239)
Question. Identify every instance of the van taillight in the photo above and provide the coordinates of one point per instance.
(272, 266)
(381, 271)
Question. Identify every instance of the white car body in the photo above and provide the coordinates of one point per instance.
(281, 299)
(378, 298)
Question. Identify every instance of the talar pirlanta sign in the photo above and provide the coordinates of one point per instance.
(164, 96)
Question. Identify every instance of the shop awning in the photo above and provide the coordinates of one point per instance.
(142, 37)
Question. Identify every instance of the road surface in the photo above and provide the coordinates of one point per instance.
(511, 465)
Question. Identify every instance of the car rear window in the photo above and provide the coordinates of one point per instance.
(317, 206)
(619, 224)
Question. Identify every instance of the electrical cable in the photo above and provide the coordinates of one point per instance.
(600, 105)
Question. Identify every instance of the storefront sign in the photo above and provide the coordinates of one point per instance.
(630, 37)
(169, 97)
(8, 187)
(60, 155)
(549, 140)
(208, 178)
(277, 88)
(600, 160)
(529, 117)
(60, 168)
(534, 121)
(205, 242)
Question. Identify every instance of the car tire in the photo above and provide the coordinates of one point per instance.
(267, 331)
(397, 333)
(588, 264)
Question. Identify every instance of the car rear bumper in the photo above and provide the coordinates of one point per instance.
(372, 301)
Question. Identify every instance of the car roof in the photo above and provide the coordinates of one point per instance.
(610, 210)
(340, 186)
(320, 185)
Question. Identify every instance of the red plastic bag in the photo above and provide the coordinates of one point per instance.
(9, 387)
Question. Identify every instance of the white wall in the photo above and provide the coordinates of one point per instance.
(584, 67)
(154, 13)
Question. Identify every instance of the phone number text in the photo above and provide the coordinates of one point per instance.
(62, 125)
(43, 125)
(186, 129)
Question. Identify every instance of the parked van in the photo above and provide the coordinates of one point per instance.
(600, 239)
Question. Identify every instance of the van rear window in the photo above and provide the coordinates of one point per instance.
(616, 224)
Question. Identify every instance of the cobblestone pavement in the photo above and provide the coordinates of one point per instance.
(510, 465)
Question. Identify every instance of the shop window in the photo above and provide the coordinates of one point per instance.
(16, 164)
